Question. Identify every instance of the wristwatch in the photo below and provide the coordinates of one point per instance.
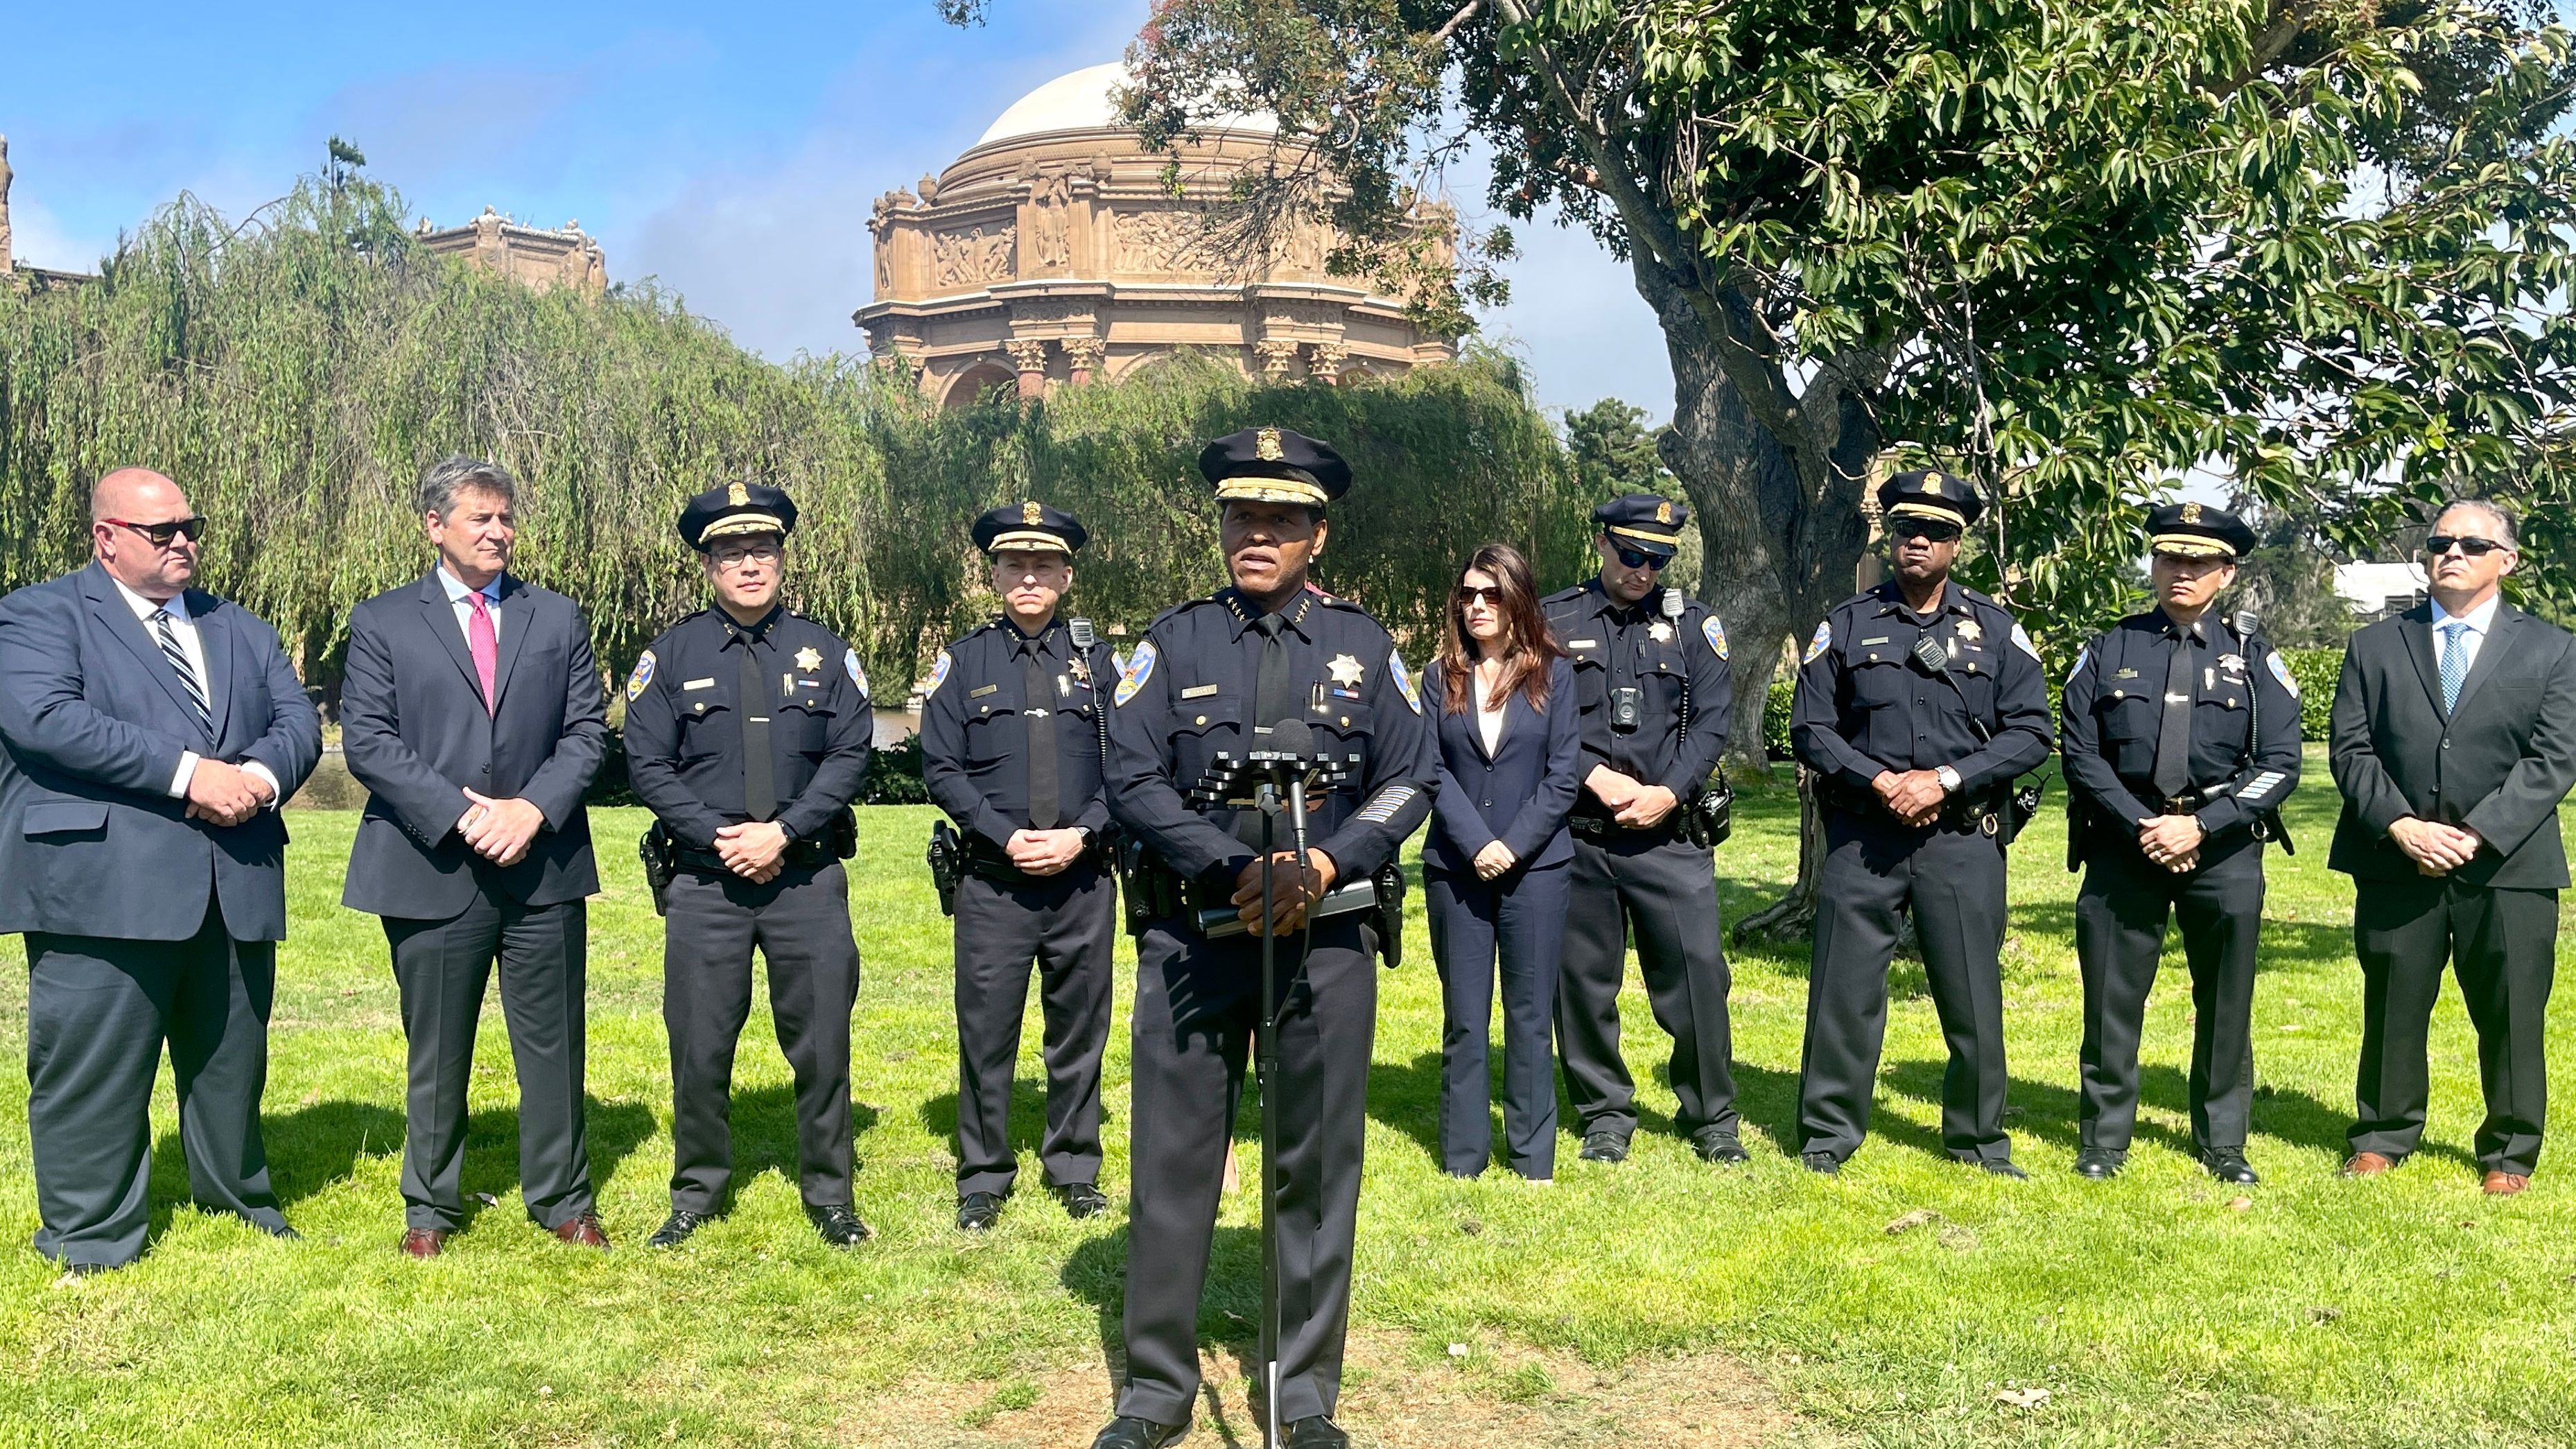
(1949, 779)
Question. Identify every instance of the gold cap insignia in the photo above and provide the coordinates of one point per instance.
(1029, 514)
(1932, 485)
(2191, 513)
(1265, 446)
(1663, 513)
(737, 496)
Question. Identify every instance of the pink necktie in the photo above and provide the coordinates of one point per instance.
(486, 644)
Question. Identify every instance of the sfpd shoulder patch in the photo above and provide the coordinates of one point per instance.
(1823, 641)
(938, 673)
(1140, 667)
(1403, 678)
(858, 676)
(1716, 633)
(2281, 671)
(643, 676)
(2021, 641)
(2083, 656)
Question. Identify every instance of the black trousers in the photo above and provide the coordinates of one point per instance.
(442, 968)
(801, 924)
(1524, 914)
(1954, 883)
(1196, 1005)
(1067, 924)
(2120, 917)
(2503, 945)
(1664, 892)
(98, 1011)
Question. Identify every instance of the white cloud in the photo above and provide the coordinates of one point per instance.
(39, 239)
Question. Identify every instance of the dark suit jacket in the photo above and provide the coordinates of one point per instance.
(92, 843)
(416, 734)
(2498, 764)
(1521, 794)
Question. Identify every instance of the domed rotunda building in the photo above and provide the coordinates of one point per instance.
(1052, 252)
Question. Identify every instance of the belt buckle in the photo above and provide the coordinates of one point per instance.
(2177, 805)
(1990, 825)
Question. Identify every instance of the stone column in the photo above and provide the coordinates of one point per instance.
(1028, 354)
(1085, 355)
(1326, 363)
(1278, 355)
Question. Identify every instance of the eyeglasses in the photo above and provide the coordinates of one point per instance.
(2441, 543)
(160, 534)
(1926, 530)
(1631, 558)
(761, 554)
(1468, 596)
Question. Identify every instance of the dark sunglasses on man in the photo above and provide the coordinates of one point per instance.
(1929, 529)
(1630, 558)
(2475, 547)
(160, 534)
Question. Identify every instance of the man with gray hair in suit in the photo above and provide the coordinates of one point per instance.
(150, 732)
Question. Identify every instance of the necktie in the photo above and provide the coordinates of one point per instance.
(190, 685)
(1271, 702)
(2455, 663)
(1046, 805)
(485, 643)
(751, 692)
(2173, 740)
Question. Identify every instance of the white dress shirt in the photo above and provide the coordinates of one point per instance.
(1489, 717)
(184, 629)
(2480, 621)
(458, 593)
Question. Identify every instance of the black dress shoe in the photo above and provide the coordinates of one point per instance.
(2002, 1167)
(1125, 1432)
(1719, 1146)
(977, 1211)
(676, 1228)
(2229, 1166)
(1315, 1433)
(839, 1224)
(1824, 1163)
(1604, 1147)
(2098, 1163)
(1082, 1200)
(284, 1234)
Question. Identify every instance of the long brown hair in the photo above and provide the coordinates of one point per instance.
(1528, 652)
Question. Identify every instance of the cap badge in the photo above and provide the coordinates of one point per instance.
(2191, 514)
(1663, 512)
(1265, 446)
(1931, 485)
(1030, 515)
(737, 496)
(809, 659)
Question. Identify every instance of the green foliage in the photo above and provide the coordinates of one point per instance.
(2317, 671)
(894, 776)
(1775, 718)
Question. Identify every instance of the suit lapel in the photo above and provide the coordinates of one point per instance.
(215, 642)
(118, 617)
(2491, 651)
(2418, 631)
(439, 613)
(514, 633)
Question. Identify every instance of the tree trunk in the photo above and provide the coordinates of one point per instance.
(1793, 915)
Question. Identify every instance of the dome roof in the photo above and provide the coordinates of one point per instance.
(1082, 102)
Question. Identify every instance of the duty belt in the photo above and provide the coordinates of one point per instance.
(802, 854)
(1594, 827)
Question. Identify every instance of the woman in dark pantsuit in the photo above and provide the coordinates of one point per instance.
(1495, 865)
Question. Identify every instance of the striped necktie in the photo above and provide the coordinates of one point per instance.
(191, 685)
(2455, 663)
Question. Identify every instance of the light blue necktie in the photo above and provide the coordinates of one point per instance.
(2455, 663)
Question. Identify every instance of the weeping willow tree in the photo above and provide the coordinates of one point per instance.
(296, 373)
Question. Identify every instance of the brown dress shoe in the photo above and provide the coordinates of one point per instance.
(583, 1231)
(2368, 1164)
(424, 1242)
(2506, 1184)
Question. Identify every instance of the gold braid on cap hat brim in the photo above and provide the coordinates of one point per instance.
(2190, 545)
(733, 523)
(1027, 541)
(1928, 510)
(1644, 535)
(1282, 484)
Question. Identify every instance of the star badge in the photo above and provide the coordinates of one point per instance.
(1345, 671)
(1662, 631)
(1969, 631)
(809, 660)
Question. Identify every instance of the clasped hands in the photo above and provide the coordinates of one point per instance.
(1291, 890)
(1913, 796)
(1633, 803)
(2172, 841)
(222, 794)
(2436, 849)
(1045, 852)
(500, 831)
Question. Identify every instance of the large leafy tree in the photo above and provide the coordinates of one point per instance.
(2316, 246)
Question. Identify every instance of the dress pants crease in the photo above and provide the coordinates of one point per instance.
(1522, 914)
(1664, 891)
(1067, 925)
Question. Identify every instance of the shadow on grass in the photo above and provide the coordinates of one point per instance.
(764, 1135)
(1025, 1130)
(1229, 1317)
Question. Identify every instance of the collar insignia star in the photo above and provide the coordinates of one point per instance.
(1345, 671)
(809, 660)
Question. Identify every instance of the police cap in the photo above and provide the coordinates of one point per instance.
(1275, 465)
(1934, 495)
(1646, 522)
(736, 508)
(2198, 530)
(1032, 527)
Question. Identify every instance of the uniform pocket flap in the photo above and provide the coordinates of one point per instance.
(66, 817)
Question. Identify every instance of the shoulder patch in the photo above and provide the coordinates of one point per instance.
(2281, 671)
(1140, 667)
(643, 676)
(1403, 678)
(1823, 641)
(1716, 633)
(2083, 657)
(938, 673)
(858, 676)
(2021, 641)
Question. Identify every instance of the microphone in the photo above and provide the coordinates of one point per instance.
(1672, 602)
(1083, 637)
(1929, 653)
(1292, 741)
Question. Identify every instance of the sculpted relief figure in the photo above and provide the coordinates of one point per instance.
(1050, 222)
(974, 255)
(1158, 241)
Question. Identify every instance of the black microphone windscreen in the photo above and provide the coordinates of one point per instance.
(1292, 737)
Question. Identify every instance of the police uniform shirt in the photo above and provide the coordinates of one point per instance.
(1187, 696)
(2114, 718)
(1865, 704)
(684, 723)
(975, 725)
(1619, 646)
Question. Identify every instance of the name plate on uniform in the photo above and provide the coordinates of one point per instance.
(980, 693)
(1198, 691)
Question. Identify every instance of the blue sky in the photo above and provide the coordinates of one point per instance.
(730, 151)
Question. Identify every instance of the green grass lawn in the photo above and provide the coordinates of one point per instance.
(2405, 1310)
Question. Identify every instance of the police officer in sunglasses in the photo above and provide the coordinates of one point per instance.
(1651, 676)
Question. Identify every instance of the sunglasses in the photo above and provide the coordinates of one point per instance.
(1634, 559)
(160, 534)
(1928, 531)
(2441, 543)
(1468, 596)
